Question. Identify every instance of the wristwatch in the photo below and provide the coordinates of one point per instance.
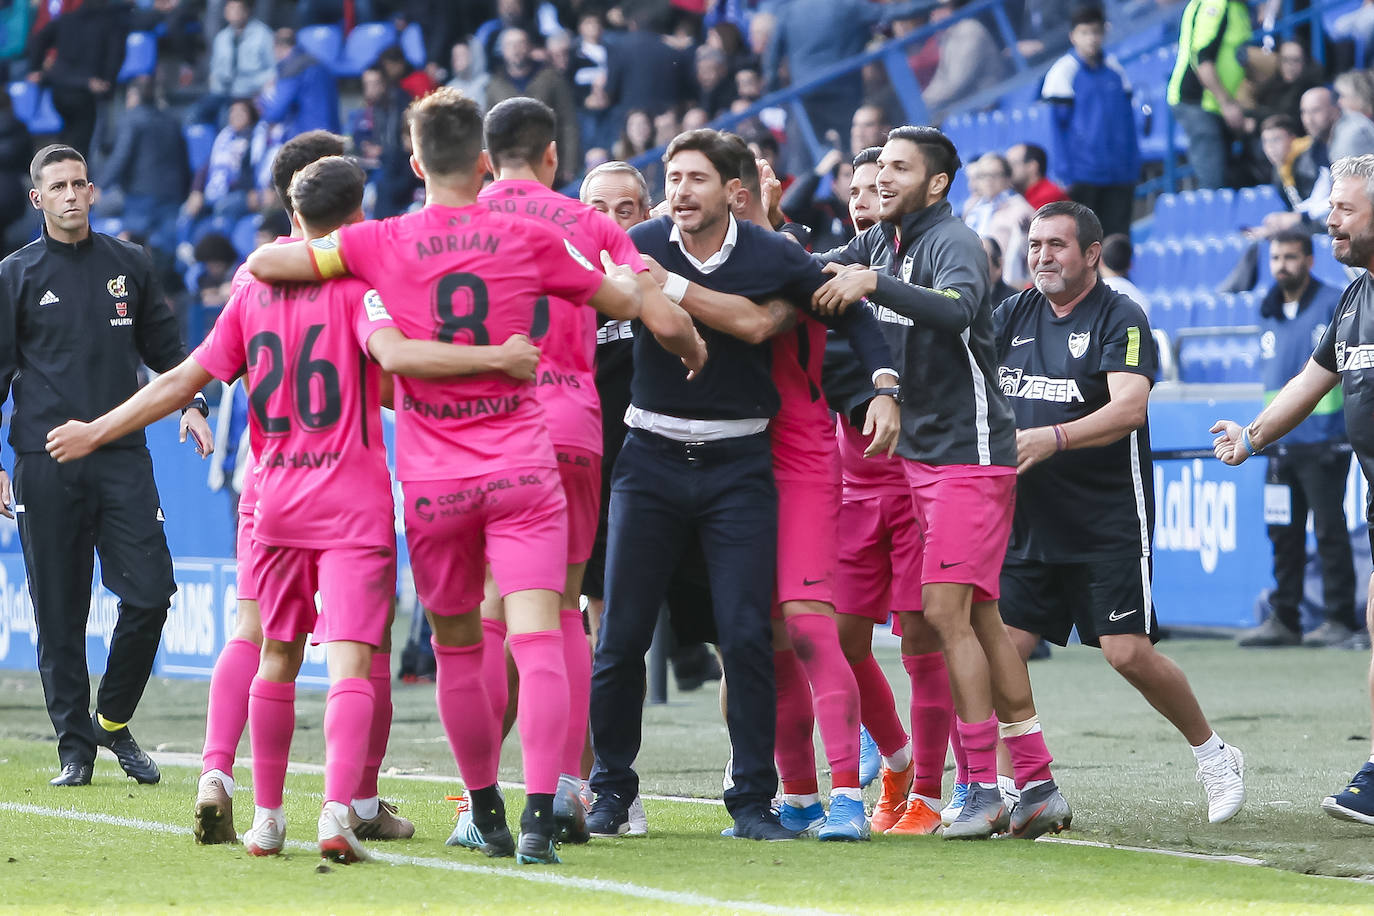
(198, 403)
(894, 392)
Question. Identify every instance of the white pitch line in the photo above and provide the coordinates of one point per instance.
(599, 885)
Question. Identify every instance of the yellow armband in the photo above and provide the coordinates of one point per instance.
(325, 256)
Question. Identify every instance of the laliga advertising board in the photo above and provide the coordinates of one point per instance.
(200, 533)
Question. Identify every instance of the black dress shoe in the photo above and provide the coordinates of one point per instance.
(136, 764)
(73, 774)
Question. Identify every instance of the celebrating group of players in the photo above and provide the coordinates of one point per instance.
(500, 450)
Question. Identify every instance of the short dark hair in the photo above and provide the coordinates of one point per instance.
(215, 246)
(1281, 122)
(1117, 252)
(1086, 224)
(447, 126)
(868, 155)
(1293, 237)
(748, 165)
(518, 131)
(297, 153)
(937, 149)
(1036, 153)
(993, 248)
(53, 152)
(715, 145)
(1090, 14)
(328, 191)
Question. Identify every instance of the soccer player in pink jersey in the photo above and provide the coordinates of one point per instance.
(324, 514)
(519, 135)
(477, 468)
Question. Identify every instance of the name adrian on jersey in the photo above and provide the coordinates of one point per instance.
(1037, 387)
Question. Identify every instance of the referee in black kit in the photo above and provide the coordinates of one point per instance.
(79, 311)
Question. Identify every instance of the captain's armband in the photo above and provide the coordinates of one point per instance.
(325, 256)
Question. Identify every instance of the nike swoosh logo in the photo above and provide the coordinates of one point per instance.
(944, 565)
(806, 581)
(1118, 615)
(1018, 341)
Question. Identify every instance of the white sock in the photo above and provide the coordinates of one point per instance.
(900, 760)
(339, 810)
(932, 803)
(1209, 748)
(802, 801)
(1007, 786)
(1031, 784)
(261, 814)
(223, 777)
(367, 808)
(847, 792)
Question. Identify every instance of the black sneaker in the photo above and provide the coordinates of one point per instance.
(609, 817)
(536, 849)
(73, 774)
(137, 765)
(764, 826)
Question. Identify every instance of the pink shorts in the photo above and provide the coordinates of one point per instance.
(246, 556)
(580, 471)
(880, 558)
(808, 516)
(514, 520)
(966, 515)
(356, 586)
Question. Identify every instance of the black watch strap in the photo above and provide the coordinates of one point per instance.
(198, 404)
(894, 392)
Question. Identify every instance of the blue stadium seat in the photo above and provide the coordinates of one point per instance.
(1193, 268)
(959, 128)
(1197, 359)
(1253, 204)
(1325, 267)
(1227, 310)
(245, 234)
(982, 133)
(108, 225)
(958, 190)
(1147, 265)
(363, 46)
(1168, 216)
(140, 56)
(413, 44)
(999, 131)
(1165, 313)
(1038, 128)
(1240, 359)
(1263, 278)
(1206, 311)
(322, 42)
(199, 139)
(33, 105)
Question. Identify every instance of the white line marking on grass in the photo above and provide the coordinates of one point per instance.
(599, 885)
(1177, 853)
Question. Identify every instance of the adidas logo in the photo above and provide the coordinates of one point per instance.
(49, 298)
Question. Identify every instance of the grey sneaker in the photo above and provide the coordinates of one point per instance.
(1358, 641)
(1328, 636)
(983, 815)
(1270, 634)
(1041, 810)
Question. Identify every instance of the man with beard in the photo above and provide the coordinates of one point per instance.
(1345, 355)
(1308, 467)
(1076, 361)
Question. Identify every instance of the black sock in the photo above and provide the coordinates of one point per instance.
(488, 807)
(538, 814)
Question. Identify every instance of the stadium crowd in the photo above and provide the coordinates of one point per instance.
(882, 420)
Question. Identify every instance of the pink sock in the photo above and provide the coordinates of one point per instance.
(1030, 758)
(577, 657)
(956, 747)
(380, 731)
(543, 716)
(474, 734)
(271, 720)
(227, 713)
(494, 666)
(793, 750)
(835, 695)
(932, 715)
(347, 730)
(980, 743)
(878, 708)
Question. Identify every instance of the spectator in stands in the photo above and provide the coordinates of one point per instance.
(377, 126)
(867, 128)
(998, 290)
(636, 137)
(468, 71)
(1335, 133)
(748, 87)
(1202, 89)
(302, 94)
(241, 60)
(695, 118)
(1282, 93)
(398, 189)
(765, 146)
(666, 127)
(1115, 268)
(520, 74)
(1039, 31)
(510, 14)
(1029, 166)
(78, 55)
(148, 166)
(1353, 134)
(16, 151)
(399, 72)
(1307, 464)
(227, 184)
(180, 41)
(969, 60)
(1302, 183)
(995, 209)
(1356, 25)
(1095, 144)
(715, 89)
(727, 37)
(591, 48)
(646, 72)
(819, 200)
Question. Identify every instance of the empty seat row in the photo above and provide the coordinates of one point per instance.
(975, 133)
(1186, 262)
(352, 54)
(1218, 359)
(1206, 211)
(1173, 311)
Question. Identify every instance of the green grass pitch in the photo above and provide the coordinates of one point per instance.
(1300, 716)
